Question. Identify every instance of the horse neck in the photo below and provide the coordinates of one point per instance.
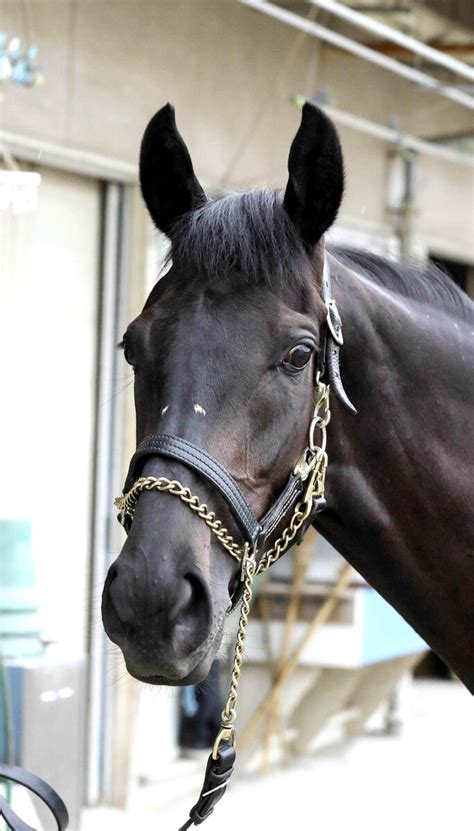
(399, 473)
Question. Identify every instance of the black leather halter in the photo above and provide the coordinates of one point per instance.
(255, 531)
(174, 447)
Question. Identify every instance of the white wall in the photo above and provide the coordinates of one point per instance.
(445, 209)
(48, 324)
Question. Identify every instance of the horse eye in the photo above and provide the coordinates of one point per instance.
(298, 356)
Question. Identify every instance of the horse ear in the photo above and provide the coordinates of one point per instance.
(316, 184)
(167, 179)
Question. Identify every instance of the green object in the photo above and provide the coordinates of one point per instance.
(19, 603)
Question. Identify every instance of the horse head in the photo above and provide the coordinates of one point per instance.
(224, 355)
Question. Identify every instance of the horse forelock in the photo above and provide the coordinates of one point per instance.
(245, 238)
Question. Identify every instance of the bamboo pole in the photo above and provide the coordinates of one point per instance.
(265, 619)
(301, 558)
(321, 616)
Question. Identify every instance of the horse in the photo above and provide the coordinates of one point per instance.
(227, 353)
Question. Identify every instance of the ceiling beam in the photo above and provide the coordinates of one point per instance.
(391, 136)
(425, 81)
(369, 24)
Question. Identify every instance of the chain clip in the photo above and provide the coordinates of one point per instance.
(224, 734)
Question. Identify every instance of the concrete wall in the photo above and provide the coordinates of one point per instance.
(231, 73)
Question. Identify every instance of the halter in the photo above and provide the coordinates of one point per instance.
(303, 493)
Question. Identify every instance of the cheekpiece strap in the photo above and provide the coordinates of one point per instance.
(329, 359)
(293, 488)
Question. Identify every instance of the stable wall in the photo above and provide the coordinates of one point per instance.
(231, 73)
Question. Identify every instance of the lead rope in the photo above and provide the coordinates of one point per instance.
(311, 467)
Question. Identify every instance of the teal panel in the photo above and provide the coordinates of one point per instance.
(19, 603)
(385, 634)
(16, 558)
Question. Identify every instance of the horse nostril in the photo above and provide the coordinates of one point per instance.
(182, 600)
(199, 599)
(192, 610)
(171, 608)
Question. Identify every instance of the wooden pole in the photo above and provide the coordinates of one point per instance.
(301, 557)
(321, 616)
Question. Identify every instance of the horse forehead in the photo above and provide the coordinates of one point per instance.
(209, 314)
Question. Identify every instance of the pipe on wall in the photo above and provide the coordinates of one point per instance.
(425, 81)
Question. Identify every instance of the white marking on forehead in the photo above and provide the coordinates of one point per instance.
(199, 409)
(164, 409)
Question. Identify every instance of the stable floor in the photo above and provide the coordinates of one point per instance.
(421, 778)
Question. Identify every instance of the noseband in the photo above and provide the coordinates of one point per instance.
(303, 493)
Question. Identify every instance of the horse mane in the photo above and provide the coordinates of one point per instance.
(249, 238)
(424, 282)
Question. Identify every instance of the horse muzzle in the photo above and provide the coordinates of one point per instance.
(157, 603)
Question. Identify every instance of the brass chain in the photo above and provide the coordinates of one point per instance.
(126, 505)
(312, 469)
(229, 713)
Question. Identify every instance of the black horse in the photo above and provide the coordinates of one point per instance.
(224, 355)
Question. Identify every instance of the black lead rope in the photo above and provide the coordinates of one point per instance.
(218, 773)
